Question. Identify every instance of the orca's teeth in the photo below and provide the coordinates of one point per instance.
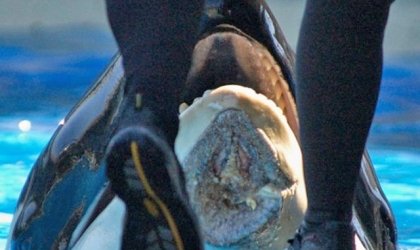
(281, 109)
(196, 99)
(265, 62)
(273, 77)
(281, 102)
(289, 192)
(207, 92)
(183, 107)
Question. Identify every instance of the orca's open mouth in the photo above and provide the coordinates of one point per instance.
(237, 144)
(240, 160)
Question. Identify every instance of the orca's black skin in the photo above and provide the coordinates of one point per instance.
(68, 174)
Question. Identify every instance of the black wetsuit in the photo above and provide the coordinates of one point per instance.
(338, 70)
(339, 65)
(156, 40)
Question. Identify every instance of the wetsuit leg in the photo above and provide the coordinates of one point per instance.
(339, 66)
(156, 40)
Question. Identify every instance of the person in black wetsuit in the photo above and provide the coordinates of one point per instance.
(338, 71)
(156, 40)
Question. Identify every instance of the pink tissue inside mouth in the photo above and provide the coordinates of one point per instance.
(229, 164)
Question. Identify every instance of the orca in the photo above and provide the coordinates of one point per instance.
(246, 90)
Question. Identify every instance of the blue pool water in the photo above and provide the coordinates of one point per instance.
(49, 83)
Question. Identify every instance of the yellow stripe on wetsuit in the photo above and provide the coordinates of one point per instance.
(154, 197)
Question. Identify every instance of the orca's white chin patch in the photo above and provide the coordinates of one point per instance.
(243, 168)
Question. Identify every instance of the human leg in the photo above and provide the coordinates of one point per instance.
(156, 40)
(338, 68)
